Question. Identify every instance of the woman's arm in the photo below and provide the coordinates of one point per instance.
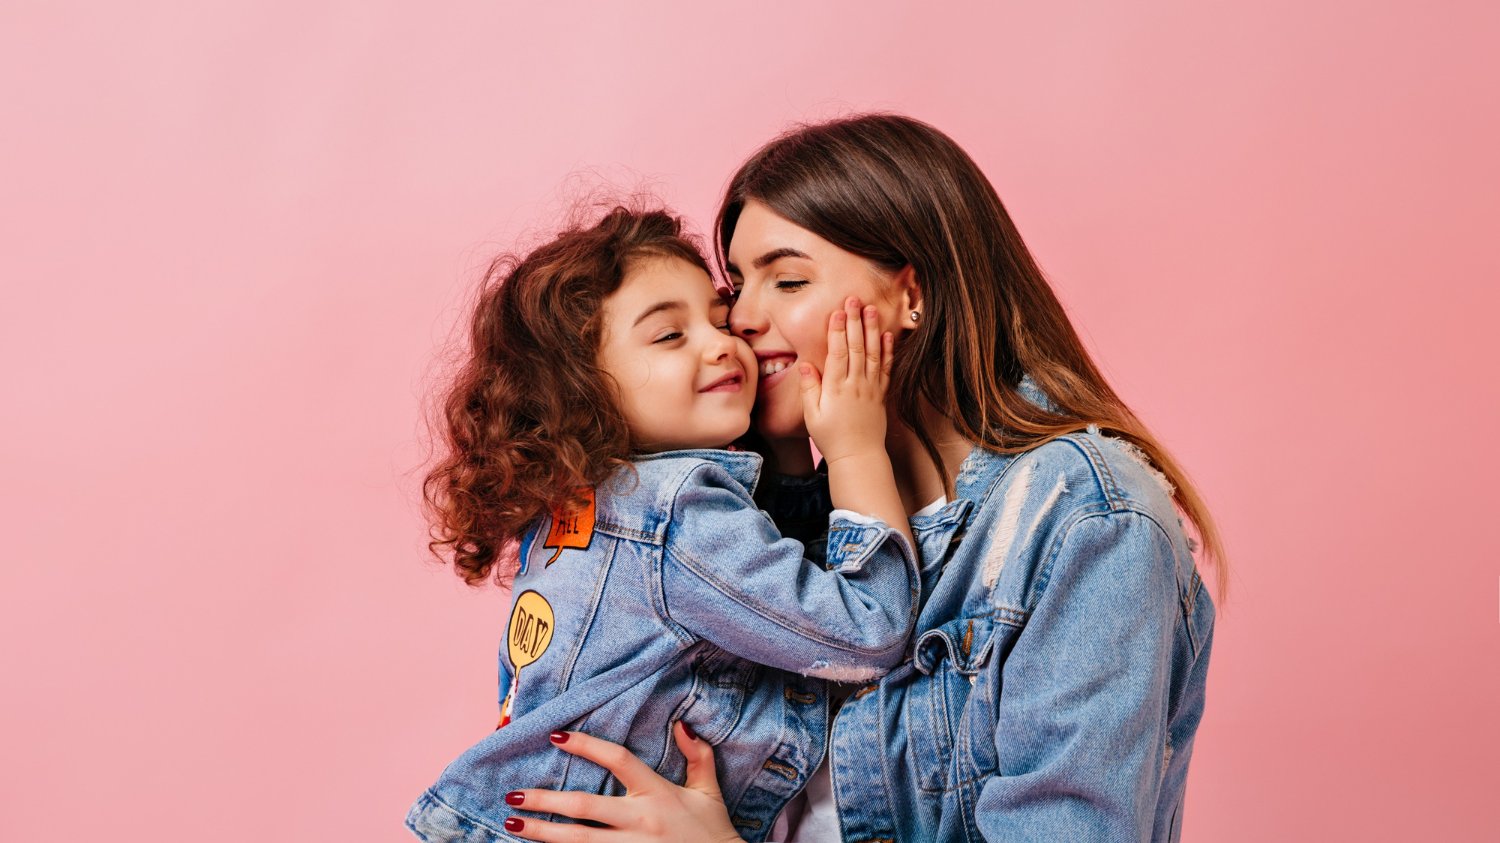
(1082, 717)
(653, 808)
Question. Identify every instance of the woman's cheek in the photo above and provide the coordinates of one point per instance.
(807, 331)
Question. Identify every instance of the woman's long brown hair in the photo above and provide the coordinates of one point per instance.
(530, 418)
(899, 193)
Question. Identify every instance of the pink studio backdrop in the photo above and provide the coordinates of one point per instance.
(237, 236)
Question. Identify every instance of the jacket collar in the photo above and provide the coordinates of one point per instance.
(981, 467)
(743, 466)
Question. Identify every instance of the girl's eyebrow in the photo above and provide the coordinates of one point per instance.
(657, 308)
(673, 304)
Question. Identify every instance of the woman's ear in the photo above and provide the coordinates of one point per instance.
(909, 295)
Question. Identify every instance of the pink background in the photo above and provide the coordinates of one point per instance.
(236, 239)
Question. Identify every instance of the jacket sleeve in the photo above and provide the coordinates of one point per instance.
(728, 576)
(1081, 719)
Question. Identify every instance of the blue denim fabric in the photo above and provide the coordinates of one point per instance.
(1058, 671)
(684, 591)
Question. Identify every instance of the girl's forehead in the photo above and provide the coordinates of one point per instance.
(660, 284)
(654, 274)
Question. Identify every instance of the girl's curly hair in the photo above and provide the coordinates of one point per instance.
(530, 419)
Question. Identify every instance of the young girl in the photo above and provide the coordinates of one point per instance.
(589, 436)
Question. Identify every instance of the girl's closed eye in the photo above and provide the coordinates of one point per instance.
(668, 337)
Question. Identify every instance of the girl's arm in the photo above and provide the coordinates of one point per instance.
(730, 577)
(844, 408)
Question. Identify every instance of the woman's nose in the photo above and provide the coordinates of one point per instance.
(746, 319)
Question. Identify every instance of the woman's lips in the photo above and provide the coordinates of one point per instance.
(773, 368)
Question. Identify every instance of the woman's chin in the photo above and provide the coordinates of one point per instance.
(774, 429)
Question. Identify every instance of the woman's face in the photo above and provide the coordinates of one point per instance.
(788, 281)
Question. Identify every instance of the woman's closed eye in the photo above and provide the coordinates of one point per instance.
(790, 283)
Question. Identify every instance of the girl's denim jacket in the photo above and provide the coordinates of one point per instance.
(659, 603)
(1057, 675)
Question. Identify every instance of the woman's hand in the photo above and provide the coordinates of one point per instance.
(653, 808)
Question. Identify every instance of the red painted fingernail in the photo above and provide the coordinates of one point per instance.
(515, 797)
(689, 730)
(558, 737)
(514, 824)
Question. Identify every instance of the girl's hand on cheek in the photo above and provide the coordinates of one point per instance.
(845, 406)
(653, 808)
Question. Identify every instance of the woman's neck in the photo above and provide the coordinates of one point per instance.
(917, 478)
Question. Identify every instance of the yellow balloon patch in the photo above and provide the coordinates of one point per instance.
(530, 631)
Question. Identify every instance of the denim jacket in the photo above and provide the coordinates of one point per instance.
(659, 603)
(1058, 669)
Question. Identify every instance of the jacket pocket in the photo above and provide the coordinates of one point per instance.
(944, 700)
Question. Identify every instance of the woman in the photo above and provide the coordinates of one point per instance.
(1058, 669)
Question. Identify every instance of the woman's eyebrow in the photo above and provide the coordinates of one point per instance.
(767, 259)
(775, 255)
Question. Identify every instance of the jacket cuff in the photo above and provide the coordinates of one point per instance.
(853, 540)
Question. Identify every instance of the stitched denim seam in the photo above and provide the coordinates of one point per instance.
(659, 598)
(1044, 576)
(465, 818)
(1101, 469)
(620, 531)
(590, 617)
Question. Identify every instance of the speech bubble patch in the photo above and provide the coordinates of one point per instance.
(527, 637)
(571, 529)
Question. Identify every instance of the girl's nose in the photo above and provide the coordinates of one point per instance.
(719, 347)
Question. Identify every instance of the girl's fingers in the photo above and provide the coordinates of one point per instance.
(569, 803)
(810, 386)
(887, 353)
(873, 347)
(631, 771)
(701, 774)
(836, 367)
(854, 316)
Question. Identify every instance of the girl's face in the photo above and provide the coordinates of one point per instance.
(684, 382)
(788, 281)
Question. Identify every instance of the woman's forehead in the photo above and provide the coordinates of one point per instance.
(761, 236)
